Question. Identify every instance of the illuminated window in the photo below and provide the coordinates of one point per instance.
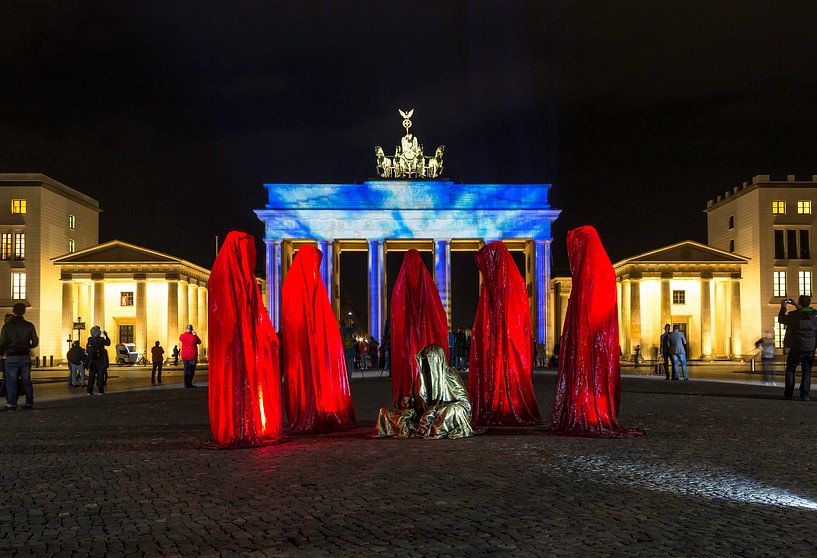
(72, 222)
(18, 206)
(72, 246)
(779, 333)
(804, 282)
(18, 285)
(804, 207)
(126, 298)
(126, 333)
(20, 246)
(5, 246)
(779, 283)
(679, 297)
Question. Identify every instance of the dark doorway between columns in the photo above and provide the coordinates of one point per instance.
(354, 288)
(464, 288)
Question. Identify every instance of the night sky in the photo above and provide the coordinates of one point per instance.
(173, 114)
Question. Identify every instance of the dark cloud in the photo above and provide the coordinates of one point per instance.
(173, 114)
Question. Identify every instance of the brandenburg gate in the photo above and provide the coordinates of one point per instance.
(409, 206)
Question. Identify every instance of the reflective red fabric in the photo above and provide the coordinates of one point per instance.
(316, 386)
(589, 379)
(499, 372)
(244, 372)
(417, 320)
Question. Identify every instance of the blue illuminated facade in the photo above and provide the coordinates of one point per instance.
(371, 215)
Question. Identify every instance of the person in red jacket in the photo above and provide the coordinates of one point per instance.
(189, 341)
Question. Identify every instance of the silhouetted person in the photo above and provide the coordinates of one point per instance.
(17, 339)
(801, 331)
(97, 360)
(175, 354)
(157, 354)
(76, 365)
(677, 346)
(190, 353)
(663, 350)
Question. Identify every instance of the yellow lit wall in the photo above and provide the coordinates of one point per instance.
(650, 317)
(157, 314)
(689, 312)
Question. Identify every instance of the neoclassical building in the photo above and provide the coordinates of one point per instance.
(771, 221)
(394, 215)
(689, 284)
(136, 294)
(411, 206)
(41, 218)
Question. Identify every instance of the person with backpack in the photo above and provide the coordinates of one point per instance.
(76, 365)
(97, 360)
(801, 332)
(17, 339)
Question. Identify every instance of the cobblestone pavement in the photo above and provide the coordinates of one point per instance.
(725, 470)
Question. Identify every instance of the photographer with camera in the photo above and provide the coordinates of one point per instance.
(801, 331)
(190, 353)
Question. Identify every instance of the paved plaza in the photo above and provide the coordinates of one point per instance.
(725, 470)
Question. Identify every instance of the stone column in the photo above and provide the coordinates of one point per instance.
(99, 304)
(666, 300)
(442, 274)
(274, 281)
(635, 311)
(184, 315)
(201, 328)
(542, 288)
(193, 306)
(327, 261)
(706, 316)
(140, 331)
(376, 289)
(737, 345)
(173, 330)
(67, 309)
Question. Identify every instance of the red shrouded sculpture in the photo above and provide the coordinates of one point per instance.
(589, 379)
(244, 373)
(499, 377)
(316, 386)
(417, 320)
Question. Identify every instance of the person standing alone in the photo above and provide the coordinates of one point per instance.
(190, 353)
(157, 354)
(17, 339)
(678, 352)
(97, 360)
(801, 333)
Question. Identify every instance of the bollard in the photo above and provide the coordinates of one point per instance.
(36, 362)
(51, 360)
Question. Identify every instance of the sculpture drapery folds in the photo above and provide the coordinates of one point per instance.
(244, 374)
(437, 406)
(316, 386)
(589, 378)
(417, 320)
(499, 377)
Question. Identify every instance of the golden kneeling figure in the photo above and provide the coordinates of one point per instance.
(438, 406)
